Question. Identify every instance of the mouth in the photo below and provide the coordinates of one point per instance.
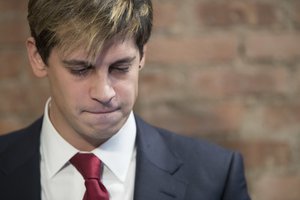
(104, 111)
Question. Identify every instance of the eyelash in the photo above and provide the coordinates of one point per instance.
(124, 68)
(84, 71)
(81, 72)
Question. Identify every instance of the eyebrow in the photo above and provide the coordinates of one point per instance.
(74, 62)
(124, 60)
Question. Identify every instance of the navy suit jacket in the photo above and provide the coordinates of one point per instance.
(168, 167)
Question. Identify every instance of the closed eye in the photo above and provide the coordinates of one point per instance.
(122, 65)
(119, 68)
(81, 71)
(78, 68)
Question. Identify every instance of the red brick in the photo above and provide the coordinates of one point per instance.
(296, 13)
(262, 153)
(11, 63)
(202, 49)
(13, 6)
(164, 15)
(194, 118)
(161, 85)
(228, 13)
(274, 186)
(284, 117)
(13, 30)
(229, 82)
(296, 80)
(14, 100)
(272, 46)
(23, 99)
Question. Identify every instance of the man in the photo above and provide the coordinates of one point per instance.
(91, 51)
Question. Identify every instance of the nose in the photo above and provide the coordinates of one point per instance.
(102, 89)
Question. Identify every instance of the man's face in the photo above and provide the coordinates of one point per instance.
(92, 100)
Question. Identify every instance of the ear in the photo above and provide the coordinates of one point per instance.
(143, 60)
(38, 66)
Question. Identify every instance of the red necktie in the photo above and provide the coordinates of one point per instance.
(89, 166)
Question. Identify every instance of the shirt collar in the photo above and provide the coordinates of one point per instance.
(116, 153)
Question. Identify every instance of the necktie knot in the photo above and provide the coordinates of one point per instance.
(87, 164)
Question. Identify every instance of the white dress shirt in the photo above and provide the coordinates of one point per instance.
(61, 181)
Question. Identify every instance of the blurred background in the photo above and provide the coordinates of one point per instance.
(224, 70)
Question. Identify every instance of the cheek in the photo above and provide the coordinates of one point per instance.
(127, 91)
(71, 93)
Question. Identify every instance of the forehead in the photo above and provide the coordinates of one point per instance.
(110, 48)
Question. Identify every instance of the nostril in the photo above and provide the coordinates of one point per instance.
(106, 103)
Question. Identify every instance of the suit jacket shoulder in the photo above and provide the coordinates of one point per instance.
(186, 168)
(19, 163)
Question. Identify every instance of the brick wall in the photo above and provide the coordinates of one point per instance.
(225, 70)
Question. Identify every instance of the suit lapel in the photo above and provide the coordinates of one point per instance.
(158, 171)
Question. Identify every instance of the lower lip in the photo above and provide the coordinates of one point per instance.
(105, 114)
(102, 112)
(102, 119)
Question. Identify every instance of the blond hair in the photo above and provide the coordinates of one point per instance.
(87, 24)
